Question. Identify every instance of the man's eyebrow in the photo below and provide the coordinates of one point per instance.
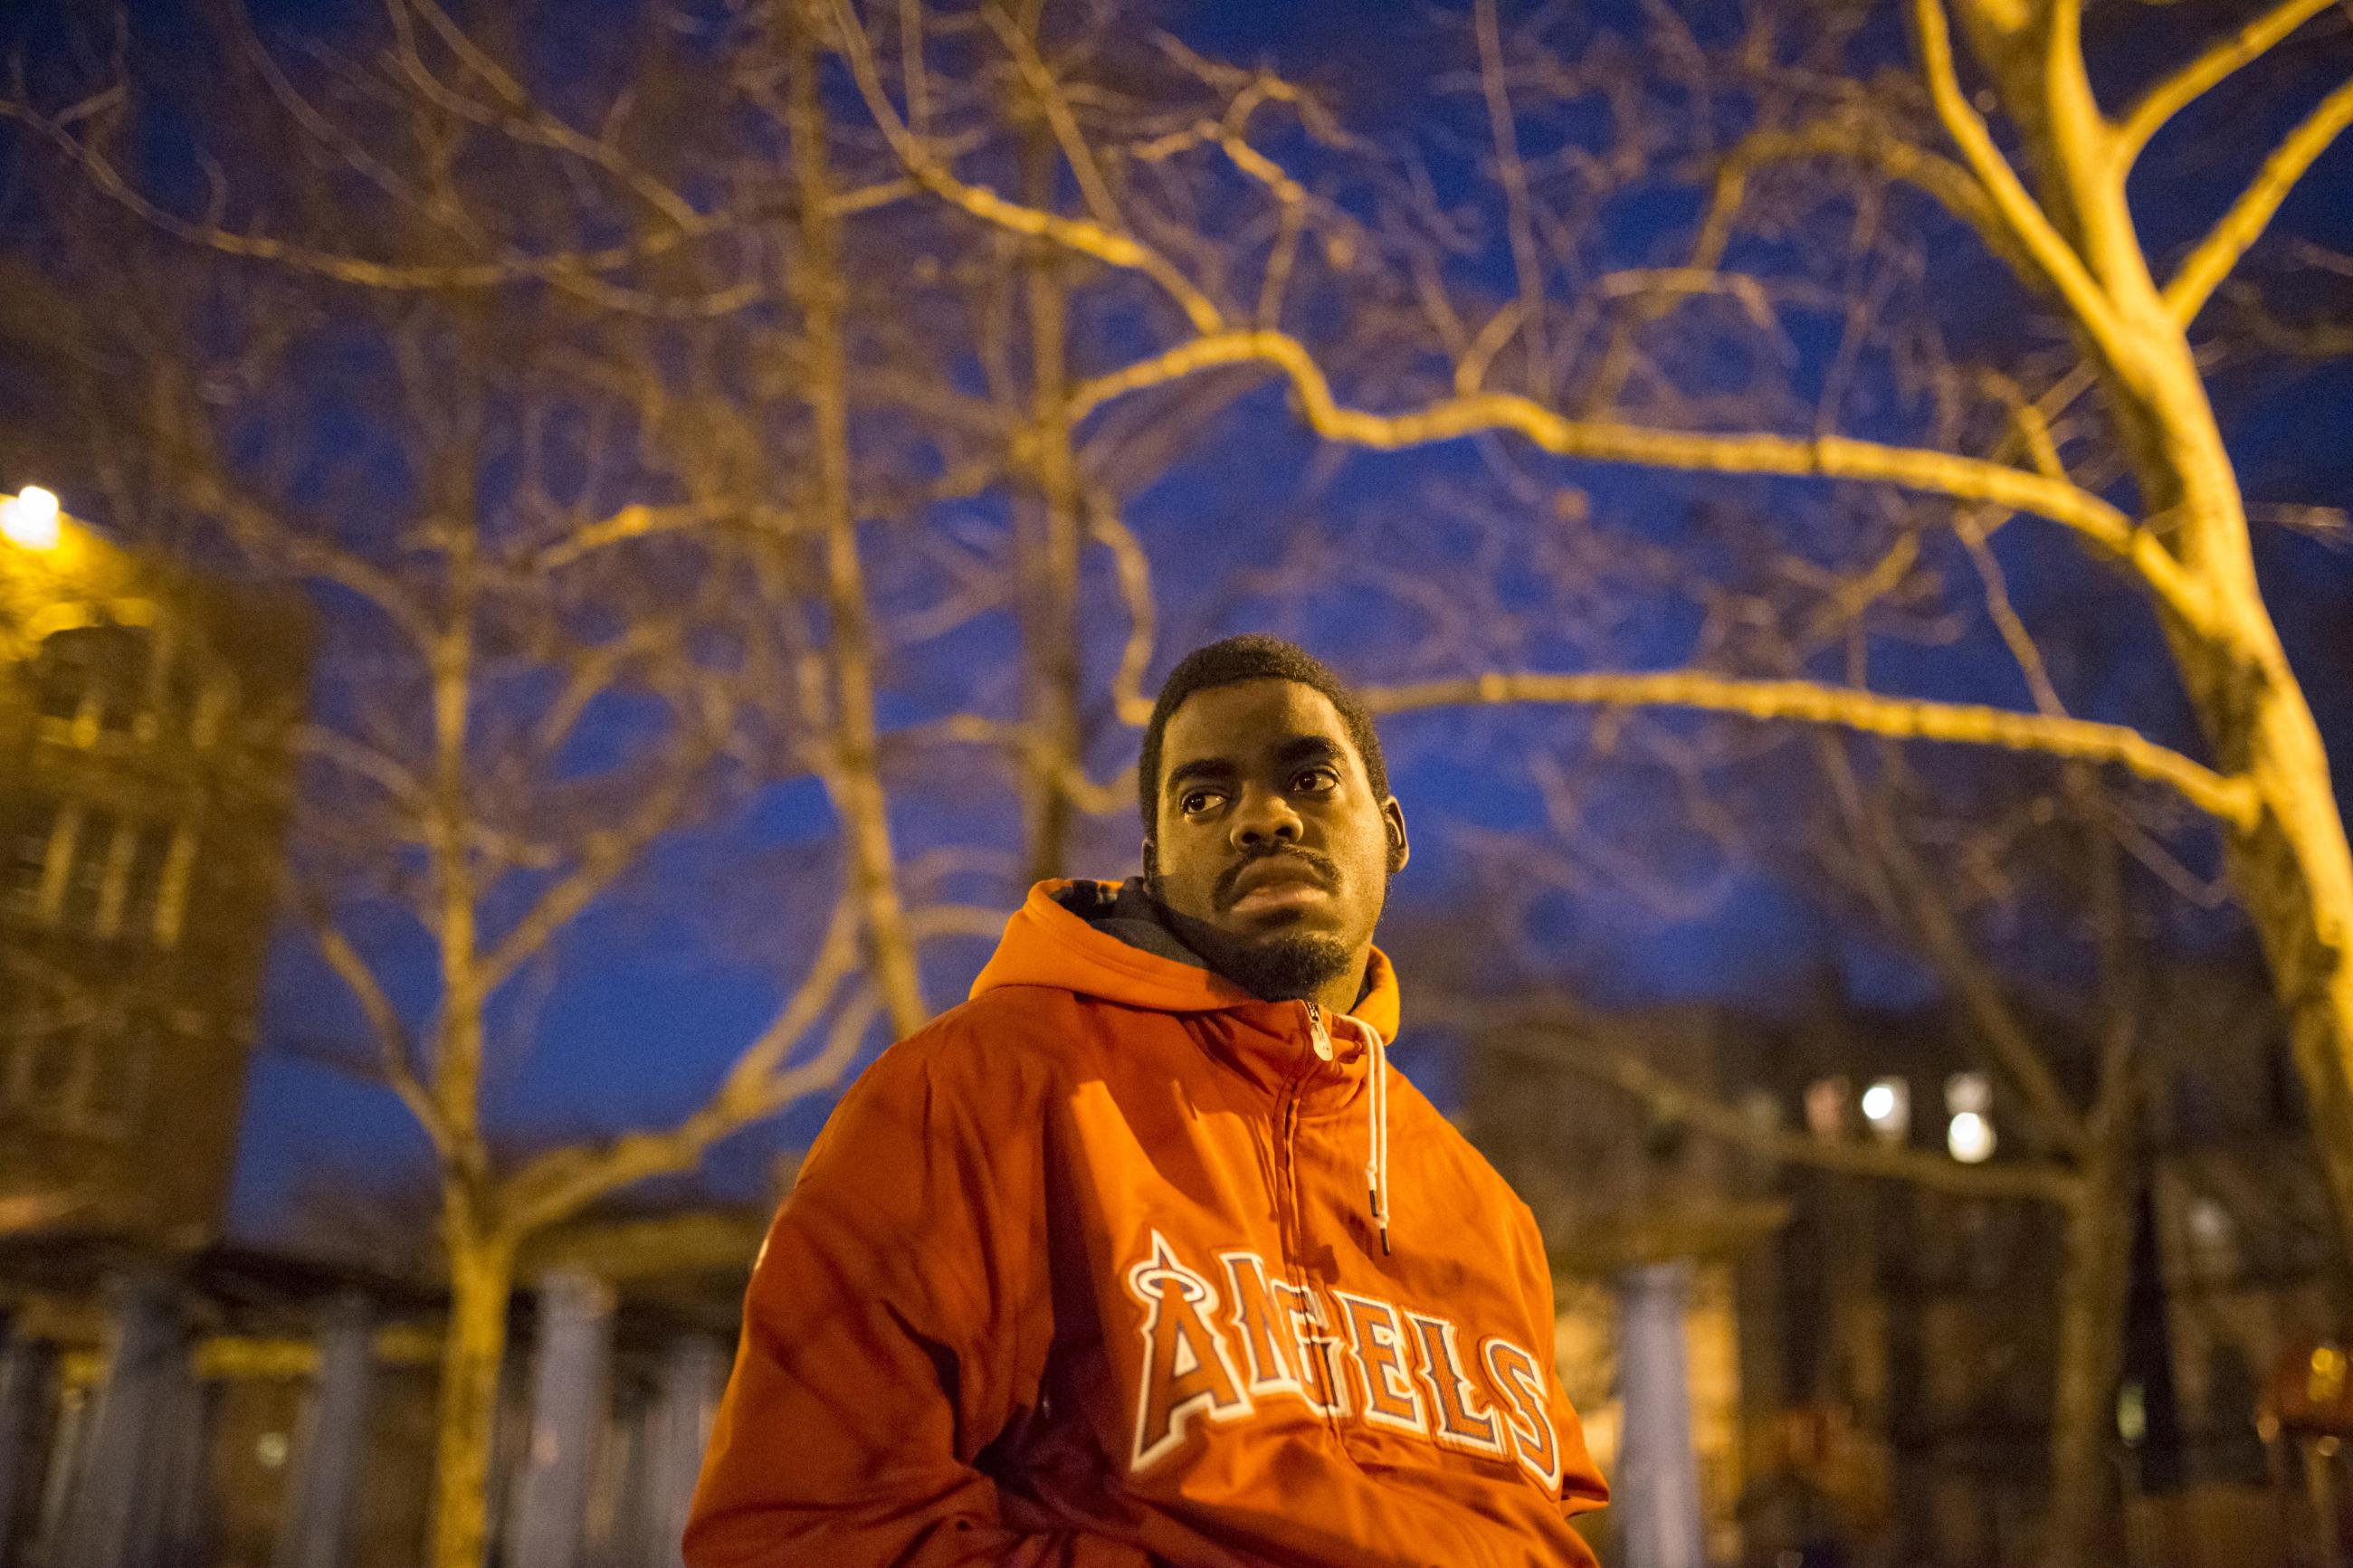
(1198, 768)
(1309, 749)
(1290, 754)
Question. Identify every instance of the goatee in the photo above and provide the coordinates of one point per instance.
(1293, 968)
(1285, 968)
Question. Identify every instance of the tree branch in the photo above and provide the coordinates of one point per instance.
(609, 854)
(510, 266)
(636, 521)
(2240, 227)
(2192, 81)
(384, 1019)
(1831, 457)
(1950, 185)
(1553, 1042)
(1135, 570)
(2231, 800)
(1999, 1026)
(1107, 245)
(560, 1181)
(2020, 212)
(1828, 457)
(1512, 173)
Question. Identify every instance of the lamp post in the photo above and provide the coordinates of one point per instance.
(35, 573)
(31, 520)
(58, 573)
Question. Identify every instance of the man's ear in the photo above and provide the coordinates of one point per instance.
(1393, 819)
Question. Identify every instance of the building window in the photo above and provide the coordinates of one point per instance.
(88, 871)
(171, 892)
(75, 1068)
(92, 681)
(135, 912)
(33, 857)
(89, 868)
(114, 1089)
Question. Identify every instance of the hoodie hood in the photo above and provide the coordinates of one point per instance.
(1106, 940)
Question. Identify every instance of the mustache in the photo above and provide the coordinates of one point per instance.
(1327, 872)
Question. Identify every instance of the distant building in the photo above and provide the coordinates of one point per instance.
(146, 716)
(1869, 1364)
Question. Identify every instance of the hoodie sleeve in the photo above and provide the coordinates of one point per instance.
(893, 1327)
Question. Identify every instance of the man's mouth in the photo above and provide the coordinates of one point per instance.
(1277, 884)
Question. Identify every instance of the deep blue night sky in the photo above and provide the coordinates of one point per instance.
(635, 1024)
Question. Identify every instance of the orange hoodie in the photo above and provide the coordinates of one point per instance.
(1088, 1272)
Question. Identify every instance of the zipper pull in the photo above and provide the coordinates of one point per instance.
(1317, 1035)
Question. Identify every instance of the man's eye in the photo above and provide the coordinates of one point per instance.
(1197, 800)
(1318, 780)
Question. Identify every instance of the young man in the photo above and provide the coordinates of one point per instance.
(1144, 1255)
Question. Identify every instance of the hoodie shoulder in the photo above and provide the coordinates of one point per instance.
(994, 1031)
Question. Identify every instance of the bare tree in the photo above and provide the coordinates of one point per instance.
(592, 577)
(2056, 213)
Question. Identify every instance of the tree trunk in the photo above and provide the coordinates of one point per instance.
(854, 775)
(2294, 872)
(482, 1279)
(2093, 1287)
(2294, 876)
(1050, 556)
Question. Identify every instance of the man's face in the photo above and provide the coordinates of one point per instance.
(1272, 852)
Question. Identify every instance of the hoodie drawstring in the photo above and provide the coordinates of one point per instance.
(1376, 1169)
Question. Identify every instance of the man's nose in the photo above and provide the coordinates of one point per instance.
(1265, 815)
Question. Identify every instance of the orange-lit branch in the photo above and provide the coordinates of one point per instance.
(2230, 800)
(1135, 571)
(2187, 85)
(763, 1080)
(384, 1023)
(1107, 245)
(557, 1183)
(1829, 457)
(2249, 215)
(2020, 213)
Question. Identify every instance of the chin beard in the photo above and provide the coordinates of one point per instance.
(1278, 968)
(1285, 968)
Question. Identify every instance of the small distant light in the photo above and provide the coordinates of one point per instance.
(270, 1449)
(29, 518)
(2327, 1385)
(1970, 1138)
(1887, 1106)
(1826, 1103)
(1966, 1091)
(2210, 1224)
(2131, 1413)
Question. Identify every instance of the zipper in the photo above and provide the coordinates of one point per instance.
(1318, 1035)
(1323, 1375)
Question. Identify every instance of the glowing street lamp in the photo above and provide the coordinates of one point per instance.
(1969, 1100)
(1887, 1106)
(31, 520)
(1969, 1138)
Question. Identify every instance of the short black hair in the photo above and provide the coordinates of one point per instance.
(1251, 657)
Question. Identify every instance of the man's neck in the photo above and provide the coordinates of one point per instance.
(1344, 993)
